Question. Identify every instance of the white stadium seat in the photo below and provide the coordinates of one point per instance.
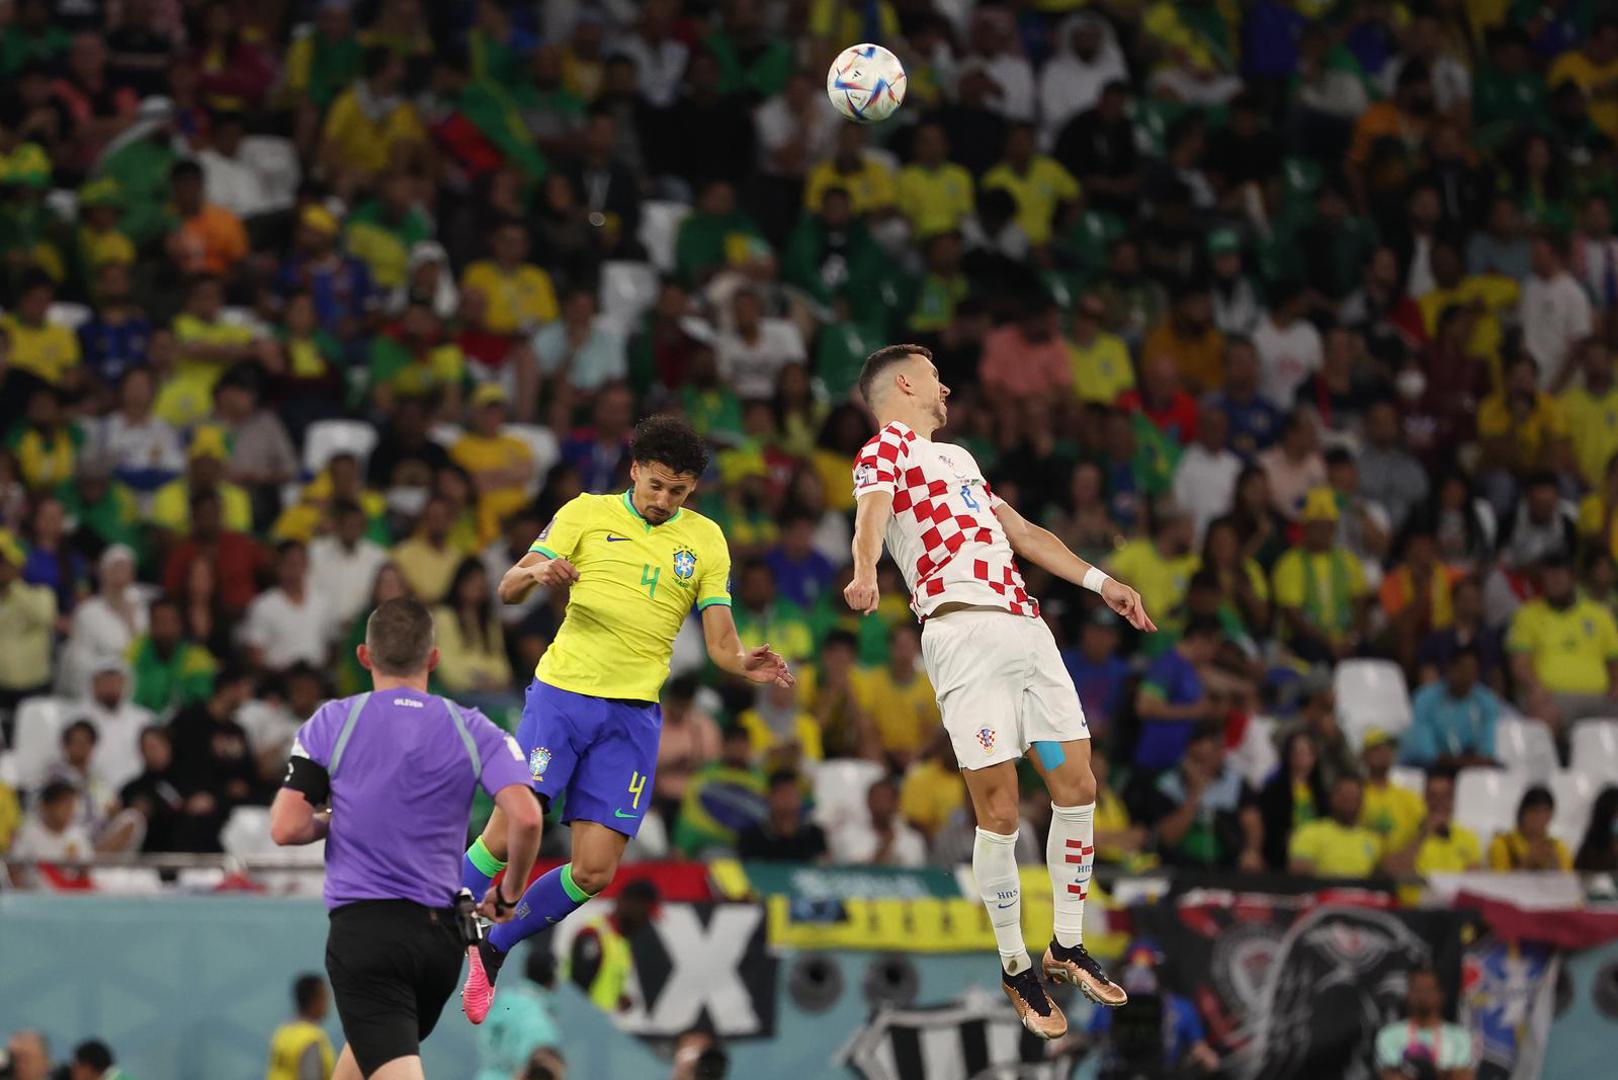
(37, 739)
(1526, 746)
(68, 314)
(1486, 800)
(325, 439)
(1371, 694)
(840, 788)
(659, 228)
(1595, 750)
(627, 290)
(1575, 793)
(1409, 778)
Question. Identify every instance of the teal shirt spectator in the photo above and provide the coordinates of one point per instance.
(520, 1023)
(1447, 726)
(590, 366)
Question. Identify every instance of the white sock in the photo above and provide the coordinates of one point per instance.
(994, 864)
(1070, 852)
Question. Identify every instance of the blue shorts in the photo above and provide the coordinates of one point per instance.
(597, 755)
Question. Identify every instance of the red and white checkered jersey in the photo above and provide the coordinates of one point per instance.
(943, 532)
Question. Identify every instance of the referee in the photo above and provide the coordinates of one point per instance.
(398, 767)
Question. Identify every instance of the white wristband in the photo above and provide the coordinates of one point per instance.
(1095, 579)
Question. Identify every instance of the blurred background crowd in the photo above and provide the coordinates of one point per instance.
(1297, 316)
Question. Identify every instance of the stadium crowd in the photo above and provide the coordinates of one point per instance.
(1297, 316)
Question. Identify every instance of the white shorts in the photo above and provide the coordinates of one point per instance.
(1001, 684)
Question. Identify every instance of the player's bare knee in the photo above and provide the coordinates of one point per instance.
(591, 876)
(999, 813)
(1072, 788)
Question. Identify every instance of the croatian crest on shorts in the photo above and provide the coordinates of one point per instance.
(985, 737)
(538, 761)
(685, 563)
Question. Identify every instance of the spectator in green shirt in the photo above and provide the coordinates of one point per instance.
(750, 61)
(714, 235)
(762, 616)
(170, 672)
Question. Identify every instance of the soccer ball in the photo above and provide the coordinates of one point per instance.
(866, 83)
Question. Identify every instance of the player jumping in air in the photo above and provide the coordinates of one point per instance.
(636, 562)
(1001, 684)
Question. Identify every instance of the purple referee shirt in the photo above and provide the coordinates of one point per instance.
(403, 769)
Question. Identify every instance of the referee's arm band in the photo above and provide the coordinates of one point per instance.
(308, 778)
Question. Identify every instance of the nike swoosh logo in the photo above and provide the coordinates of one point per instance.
(620, 813)
(1005, 905)
(611, 539)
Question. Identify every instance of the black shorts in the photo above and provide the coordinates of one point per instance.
(393, 964)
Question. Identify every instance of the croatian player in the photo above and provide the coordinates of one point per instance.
(636, 563)
(1001, 684)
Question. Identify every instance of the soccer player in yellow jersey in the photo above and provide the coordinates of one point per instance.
(636, 562)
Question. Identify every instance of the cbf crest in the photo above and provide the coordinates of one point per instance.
(685, 564)
(538, 761)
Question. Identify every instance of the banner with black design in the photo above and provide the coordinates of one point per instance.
(1297, 985)
(702, 963)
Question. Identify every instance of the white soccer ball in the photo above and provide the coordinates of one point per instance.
(866, 83)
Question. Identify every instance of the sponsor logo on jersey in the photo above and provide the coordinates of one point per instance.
(408, 703)
(538, 762)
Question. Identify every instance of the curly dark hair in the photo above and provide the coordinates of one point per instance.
(672, 443)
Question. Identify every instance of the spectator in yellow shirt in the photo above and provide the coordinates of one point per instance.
(1487, 295)
(935, 194)
(427, 561)
(780, 730)
(208, 345)
(1591, 408)
(1594, 69)
(519, 296)
(372, 126)
(1336, 846)
(1319, 587)
(44, 351)
(933, 789)
(472, 662)
(899, 699)
(1522, 427)
(205, 471)
(866, 177)
(1439, 846)
(1159, 568)
(501, 465)
(45, 444)
(1530, 846)
(1564, 651)
(1040, 185)
(1392, 812)
(1102, 369)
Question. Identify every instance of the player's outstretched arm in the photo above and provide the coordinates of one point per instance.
(760, 665)
(870, 520)
(531, 570)
(1044, 548)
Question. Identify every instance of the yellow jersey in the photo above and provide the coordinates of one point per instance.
(518, 300)
(637, 582)
(47, 351)
(1039, 191)
(1570, 649)
(1393, 813)
(291, 1042)
(1334, 851)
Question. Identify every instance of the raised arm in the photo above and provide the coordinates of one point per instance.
(870, 520)
(1043, 548)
